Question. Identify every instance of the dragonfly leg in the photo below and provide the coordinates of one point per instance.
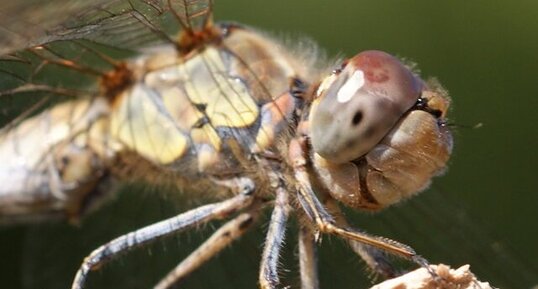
(375, 258)
(224, 236)
(308, 262)
(325, 222)
(268, 277)
(181, 222)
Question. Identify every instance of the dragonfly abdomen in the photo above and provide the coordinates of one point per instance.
(52, 161)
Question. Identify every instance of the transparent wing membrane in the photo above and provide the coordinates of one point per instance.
(27, 23)
(193, 15)
(126, 24)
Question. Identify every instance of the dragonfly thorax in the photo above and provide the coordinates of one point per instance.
(199, 114)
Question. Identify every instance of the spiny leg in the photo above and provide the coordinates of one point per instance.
(325, 223)
(153, 232)
(225, 235)
(375, 258)
(268, 277)
(308, 262)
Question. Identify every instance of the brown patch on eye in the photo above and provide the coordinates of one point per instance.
(356, 118)
(377, 75)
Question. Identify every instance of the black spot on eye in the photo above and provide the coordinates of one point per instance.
(357, 118)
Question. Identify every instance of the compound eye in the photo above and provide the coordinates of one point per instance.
(361, 105)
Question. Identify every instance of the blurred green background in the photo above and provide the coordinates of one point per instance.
(482, 212)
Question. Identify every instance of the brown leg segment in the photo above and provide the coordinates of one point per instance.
(325, 223)
(375, 258)
(308, 262)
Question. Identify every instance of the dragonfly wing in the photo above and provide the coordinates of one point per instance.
(118, 23)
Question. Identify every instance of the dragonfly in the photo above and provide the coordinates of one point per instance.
(224, 111)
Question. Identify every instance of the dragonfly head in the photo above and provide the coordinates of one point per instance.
(361, 104)
(378, 131)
